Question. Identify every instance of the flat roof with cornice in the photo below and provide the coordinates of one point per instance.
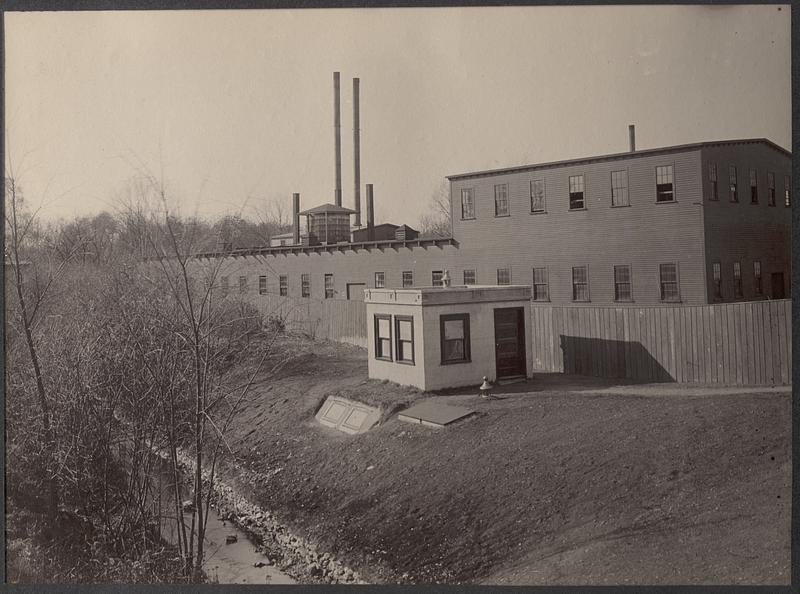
(617, 156)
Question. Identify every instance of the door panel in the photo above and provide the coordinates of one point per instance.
(509, 340)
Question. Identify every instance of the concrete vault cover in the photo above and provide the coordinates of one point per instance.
(435, 414)
(347, 415)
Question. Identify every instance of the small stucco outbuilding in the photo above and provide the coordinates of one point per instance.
(441, 337)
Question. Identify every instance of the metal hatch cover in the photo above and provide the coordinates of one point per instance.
(435, 414)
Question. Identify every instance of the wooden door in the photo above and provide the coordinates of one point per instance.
(509, 341)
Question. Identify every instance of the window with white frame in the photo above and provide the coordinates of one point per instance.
(753, 186)
(262, 285)
(380, 280)
(408, 278)
(537, 195)
(737, 280)
(540, 289)
(437, 278)
(771, 188)
(503, 276)
(283, 285)
(329, 292)
(501, 200)
(670, 289)
(712, 176)
(467, 203)
(664, 184)
(619, 188)
(733, 182)
(580, 283)
(469, 277)
(383, 337)
(404, 339)
(622, 283)
(454, 338)
(576, 197)
(757, 277)
(305, 285)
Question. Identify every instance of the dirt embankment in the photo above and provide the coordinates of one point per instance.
(547, 485)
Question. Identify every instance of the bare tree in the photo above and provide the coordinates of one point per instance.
(436, 222)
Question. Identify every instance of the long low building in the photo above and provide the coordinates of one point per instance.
(693, 224)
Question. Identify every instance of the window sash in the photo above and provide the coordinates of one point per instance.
(540, 288)
(576, 192)
(757, 277)
(283, 285)
(408, 278)
(436, 278)
(305, 285)
(469, 277)
(580, 283)
(380, 280)
(619, 188)
(737, 279)
(501, 200)
(771, 186)
(732, 178)
(329, 286)
(670, 290)
(787, 184)
(537, 195)
(404, 342)
(503, 276)
(262, 285)
(622, 283)
(454, 338)
(664, 184)
(467, 203)
(383, 337)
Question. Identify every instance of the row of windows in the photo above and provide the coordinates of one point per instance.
(664, 191)
(738, 292)
(577, 193)
(733, 186)
(394, 338)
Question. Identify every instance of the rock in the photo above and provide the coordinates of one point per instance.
(231, 538)
(259, 564)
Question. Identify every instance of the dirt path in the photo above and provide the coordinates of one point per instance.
(556, 482)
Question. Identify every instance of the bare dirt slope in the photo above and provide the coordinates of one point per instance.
(553, 483)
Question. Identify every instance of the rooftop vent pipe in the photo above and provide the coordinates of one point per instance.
(296, 218)
(337, 136)
(632, 137)
(356, 154)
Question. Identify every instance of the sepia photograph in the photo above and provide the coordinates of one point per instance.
(475, 295)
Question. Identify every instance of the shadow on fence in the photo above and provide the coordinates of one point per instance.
(611, 358)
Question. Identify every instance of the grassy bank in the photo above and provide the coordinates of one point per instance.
(556, 482)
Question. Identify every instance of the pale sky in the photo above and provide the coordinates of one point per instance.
(236, 107)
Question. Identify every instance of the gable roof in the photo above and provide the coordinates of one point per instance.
(616, 156)
(327, 208)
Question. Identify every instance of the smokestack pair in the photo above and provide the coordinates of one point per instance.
(337, 126)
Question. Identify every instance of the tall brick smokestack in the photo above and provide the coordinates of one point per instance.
(296, 218)
(632, 137)
(337, 137)
(356, 153)
(370, 215)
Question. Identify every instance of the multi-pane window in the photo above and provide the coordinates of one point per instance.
(467, 203)
(455, 338)
(437, 278)
(771, 188)
(383, 337)
(670, 290)
(380, 280)
(757, 277)
(503, 276)
(537, 195)
(737, 279)
(262, 285)
(501, 200)
(576, 201)
(787, 196)
(753, 187)
(404, 339)
(619, 188)
(283, 285)
(224, 285)
(580, 283)
(329, 286)
(540, 288)
(305, 285)
(712, 176)
(716, 274)
(408, 278)
(664, 184)
(622, 283)
(469, 277)
(243, 284)
(734, 194)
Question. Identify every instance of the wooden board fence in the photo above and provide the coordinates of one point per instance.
(735, 343)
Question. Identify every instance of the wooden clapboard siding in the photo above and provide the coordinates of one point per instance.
(734, 343)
